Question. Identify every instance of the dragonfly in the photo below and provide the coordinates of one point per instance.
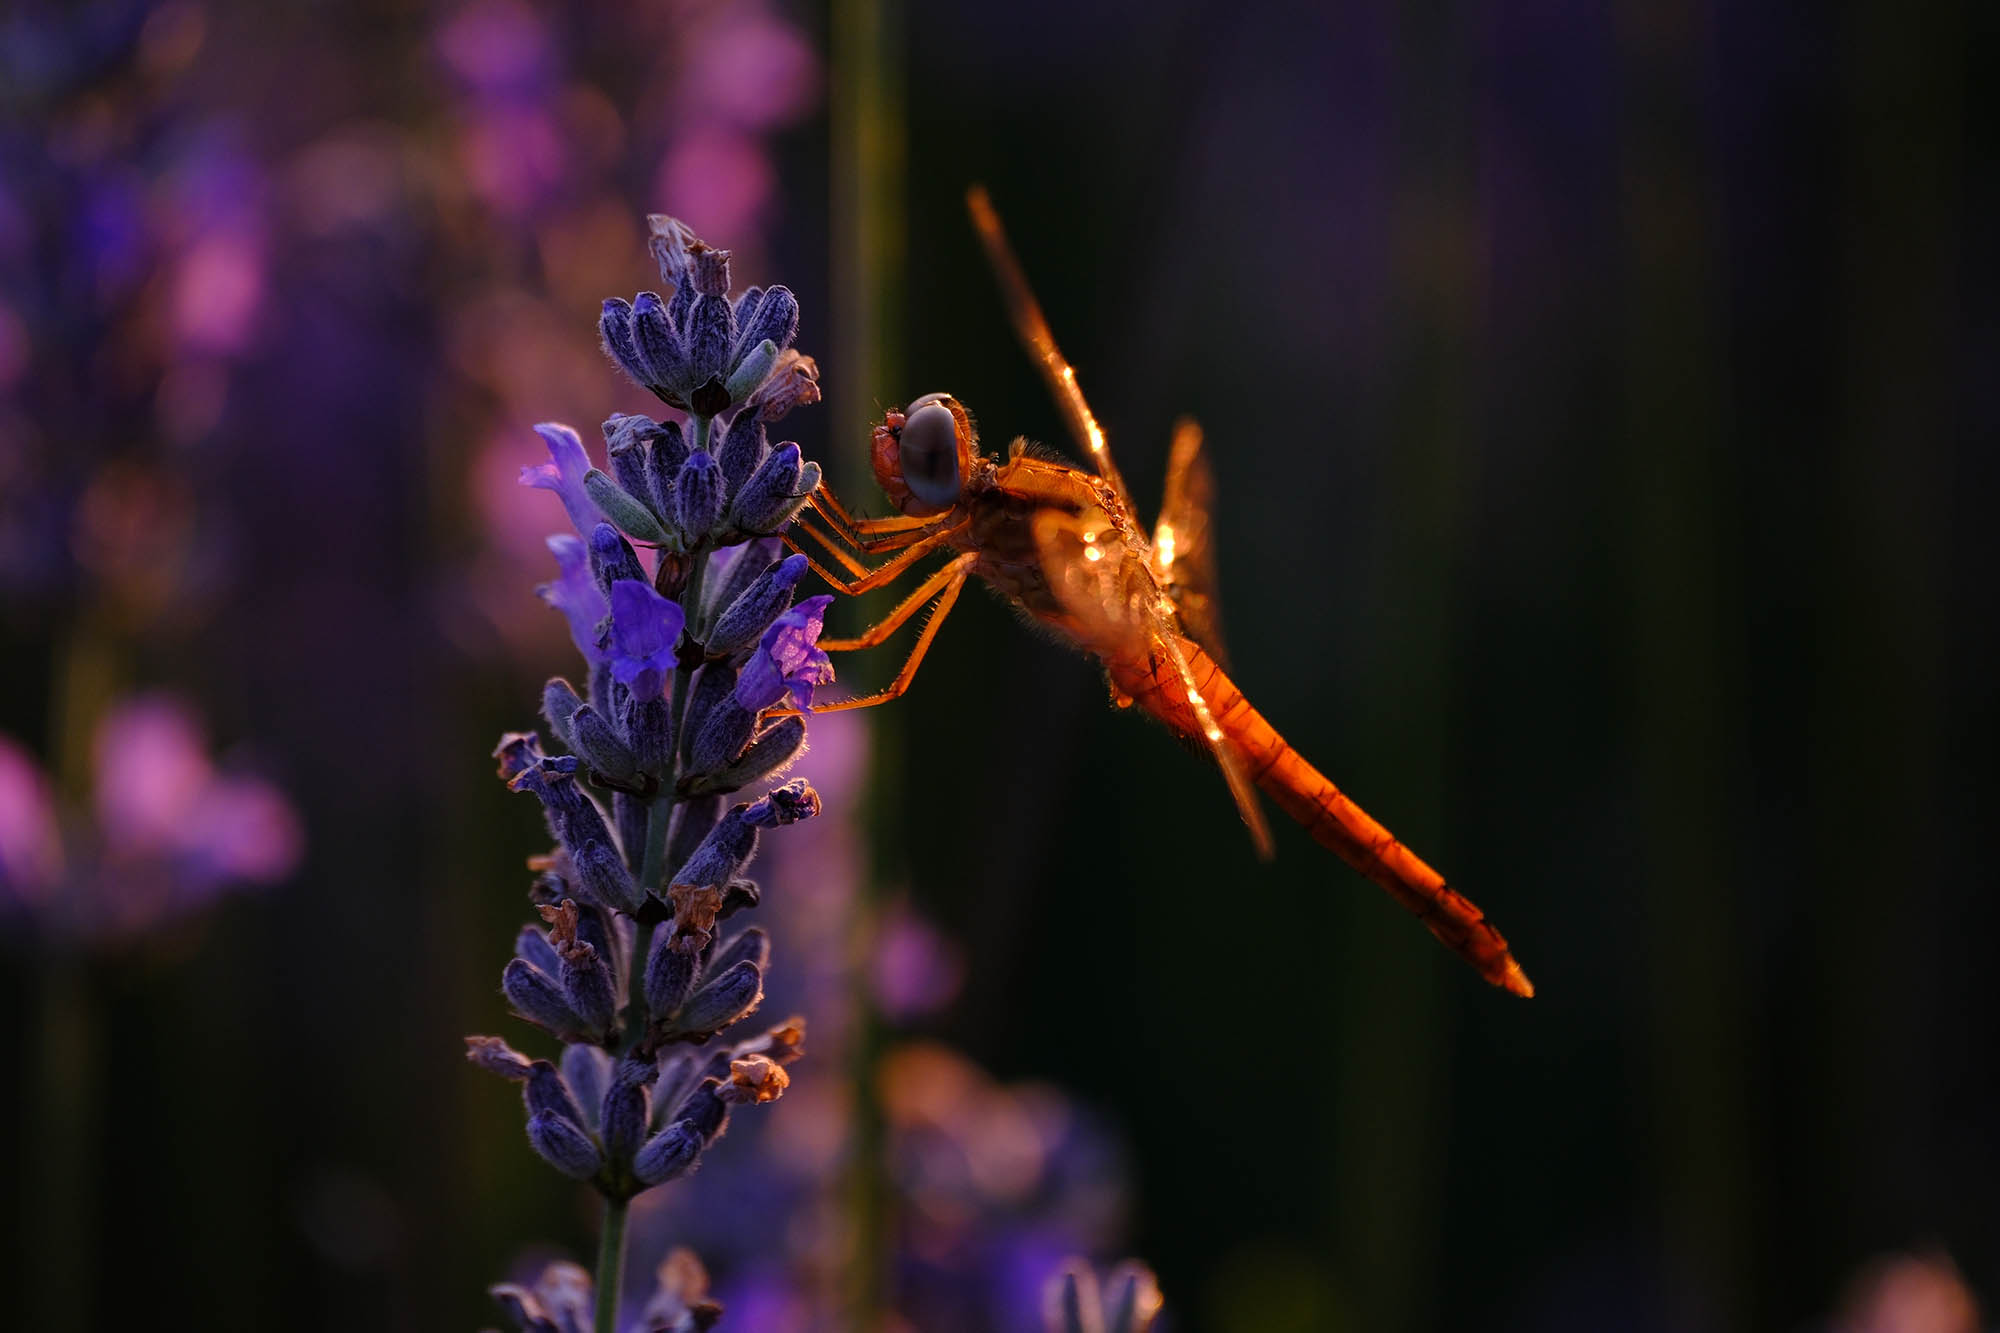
(1064, 545)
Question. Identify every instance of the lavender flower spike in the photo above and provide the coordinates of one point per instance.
(568, 465)
(687, 653)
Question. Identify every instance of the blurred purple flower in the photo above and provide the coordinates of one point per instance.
(170, 831)
(30, 843)
(917, 971)
(160, 798)
(789, 660)
(497, 47)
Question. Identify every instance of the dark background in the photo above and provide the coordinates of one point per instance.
(1603, 413)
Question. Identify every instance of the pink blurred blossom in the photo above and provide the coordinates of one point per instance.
(30, 845)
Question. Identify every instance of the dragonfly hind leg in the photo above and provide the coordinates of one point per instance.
(947, 583)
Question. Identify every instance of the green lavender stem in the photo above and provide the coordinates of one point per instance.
(611, 1264)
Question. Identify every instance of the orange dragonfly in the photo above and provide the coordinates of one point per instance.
(1065, 545)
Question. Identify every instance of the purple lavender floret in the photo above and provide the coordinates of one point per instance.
(564, 473)
(575, 593)
(644, 628)
(789, 660)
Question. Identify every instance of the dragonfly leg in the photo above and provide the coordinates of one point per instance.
(891, 542)
(878, 633)
(882, 573)
(854, 529)
(954, 582)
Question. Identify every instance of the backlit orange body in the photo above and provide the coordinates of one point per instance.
(1065, 545)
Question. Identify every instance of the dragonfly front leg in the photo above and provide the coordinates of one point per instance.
(860, 531)
(867, 580)
(951, 579)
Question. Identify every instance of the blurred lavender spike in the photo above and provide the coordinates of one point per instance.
(1074, 1302)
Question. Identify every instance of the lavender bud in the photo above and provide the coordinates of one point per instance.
(731, 570)
(704, 1111)
(751, 945)
(667, 1154)
(710, 331)
(559, 705)
(731, 995)
(698, 497)
(779, 490)
(608, 933)
(789, 804)
(668, 239)
(586, 983)
(601, 874)
(745, 306)
(752, 370)
(708, 268)
(650, 724)
(680, 1069)
(670, 973)
(724, 734)
(743, 448)
(627, 1108)
(536, 997)
(794, 382)
(670, 451)
(518, 753)
(775, 320)
(587, 1070)
(774, 749)
(546, 1091)
(713, 682)
(532, 947)
(600, 745)
(564, 1146)
(631, 465)
(680, 307)
(659, 350)
(694, 819)
(612, 558)
(614, 327)
(496, 1057)
(624, 509)
(739, 895)
(629, 814)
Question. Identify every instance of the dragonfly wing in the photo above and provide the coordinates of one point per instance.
(1184, 542)
(1033, 330)
(1120, 613)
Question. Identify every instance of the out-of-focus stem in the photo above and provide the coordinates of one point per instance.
(63, 1211)
(611, 1264)
(868, 210)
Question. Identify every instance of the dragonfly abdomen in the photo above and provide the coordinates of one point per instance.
(1324, 811)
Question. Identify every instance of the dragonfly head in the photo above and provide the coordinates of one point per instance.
(924, 453)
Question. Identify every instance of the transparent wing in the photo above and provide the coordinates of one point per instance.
(1034, 333)
(1184, 544)
(1118, 612)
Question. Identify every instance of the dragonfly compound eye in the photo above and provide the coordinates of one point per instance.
(929, 453)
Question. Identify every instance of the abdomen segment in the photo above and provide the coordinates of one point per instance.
(1335, 822)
